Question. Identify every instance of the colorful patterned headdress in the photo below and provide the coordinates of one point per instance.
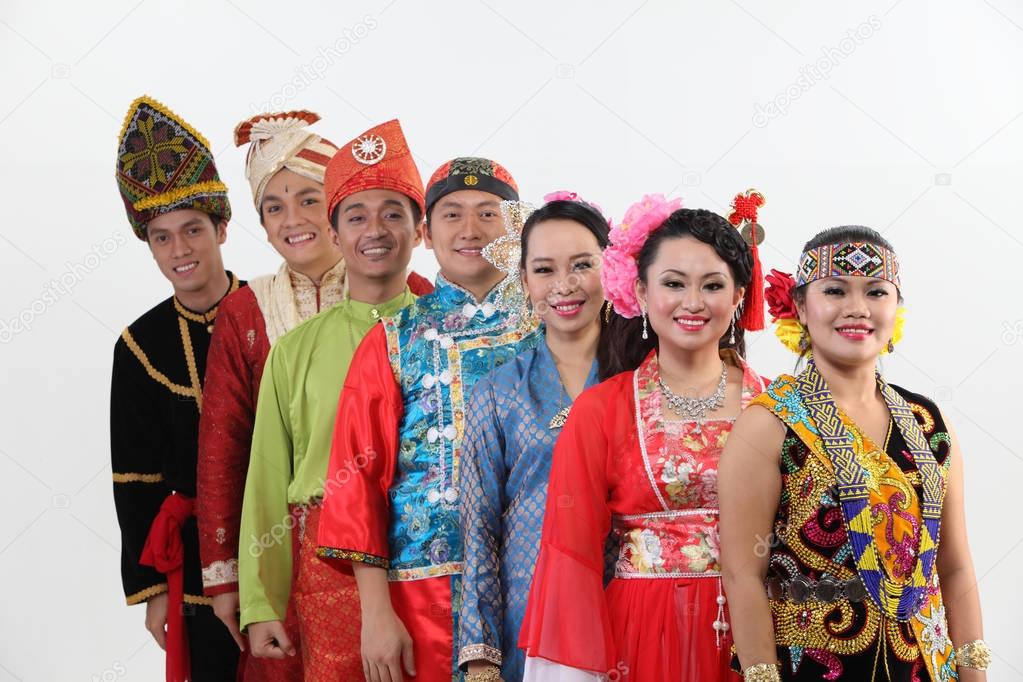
(378, 159)
(850, 259)
(470, 172)
(164, 164)
(282, 140)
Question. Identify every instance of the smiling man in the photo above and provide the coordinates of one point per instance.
(177, 204)
(394, 517)
(374, 201)
(285, 166)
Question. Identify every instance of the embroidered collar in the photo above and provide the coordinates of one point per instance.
(454, 295)
(211, 314)
(300, 281)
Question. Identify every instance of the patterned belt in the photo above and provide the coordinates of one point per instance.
(675, 544)
(800, 589)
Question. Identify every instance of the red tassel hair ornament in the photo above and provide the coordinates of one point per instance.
(744, 217)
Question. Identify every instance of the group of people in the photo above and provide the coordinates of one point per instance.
(553, 463)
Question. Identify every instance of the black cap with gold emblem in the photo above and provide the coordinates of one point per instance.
(470, 172)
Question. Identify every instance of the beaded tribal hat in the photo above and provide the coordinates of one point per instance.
(164, 164)
(470, 172)
(282, 140)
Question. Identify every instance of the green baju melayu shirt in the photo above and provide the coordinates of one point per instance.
(295, 414)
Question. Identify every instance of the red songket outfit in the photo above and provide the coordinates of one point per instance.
(620, 467)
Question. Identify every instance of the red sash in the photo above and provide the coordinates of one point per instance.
(165, 552)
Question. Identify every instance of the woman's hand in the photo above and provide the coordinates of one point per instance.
(225, 607)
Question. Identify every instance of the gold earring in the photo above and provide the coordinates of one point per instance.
(804, 340)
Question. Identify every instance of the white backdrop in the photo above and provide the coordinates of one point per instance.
(899, 114)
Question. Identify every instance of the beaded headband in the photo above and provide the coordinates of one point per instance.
(851, 259)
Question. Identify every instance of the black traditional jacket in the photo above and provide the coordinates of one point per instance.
(155, 402)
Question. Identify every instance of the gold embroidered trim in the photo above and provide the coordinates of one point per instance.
(195, 390)
(193, 373)
(479, 652)
(143, 595)
(924, 415)
(152, 371)
(350, 555)
(201, 601)
(133, 477)
(420, 572)
(179, 194)
(832, 627)
(209, 315)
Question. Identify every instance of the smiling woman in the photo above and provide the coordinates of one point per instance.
(860, 480)
(512, 422)
(637, 459)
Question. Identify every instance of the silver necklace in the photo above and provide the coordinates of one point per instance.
(695, 408)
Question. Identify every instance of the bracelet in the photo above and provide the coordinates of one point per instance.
(762, 672)
(975, 654)
(490, 674)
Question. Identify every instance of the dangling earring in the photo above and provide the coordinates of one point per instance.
(645, 335)
(804, 340)
(607, 312)
(891, 347)
(731, 328)
(527, 309)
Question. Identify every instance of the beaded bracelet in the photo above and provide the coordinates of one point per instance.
(975, 654)
(762, 672)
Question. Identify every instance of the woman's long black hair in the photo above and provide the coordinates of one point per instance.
(590, 218)
(627, 348)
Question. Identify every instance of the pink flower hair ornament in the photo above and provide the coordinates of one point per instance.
(565, 195)
(619, 271)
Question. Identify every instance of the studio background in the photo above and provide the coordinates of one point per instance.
(903, 115)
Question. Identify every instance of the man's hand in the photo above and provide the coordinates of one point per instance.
(386, 648)
(225, 606)
(269, 640)
(156, 619)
